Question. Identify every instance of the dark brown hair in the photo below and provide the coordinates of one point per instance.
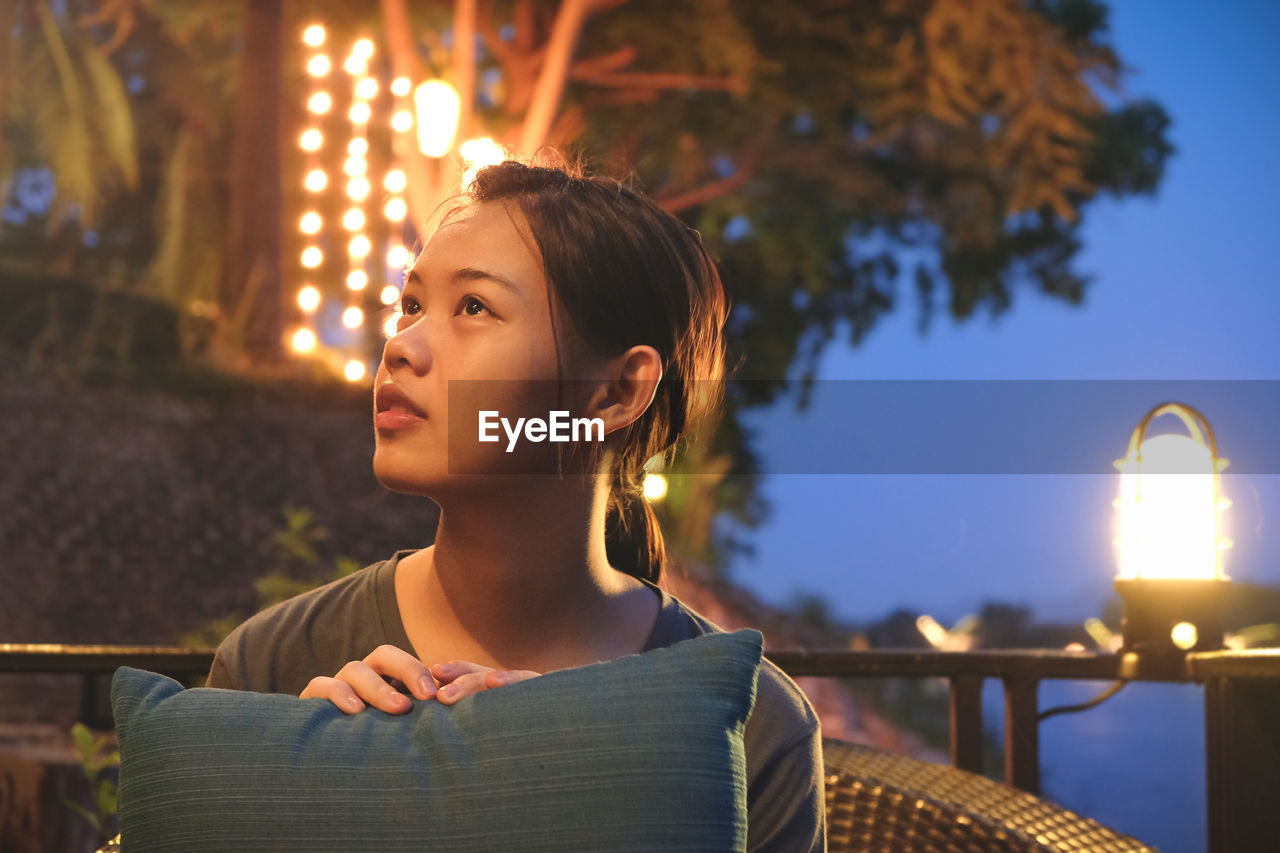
(626, 272)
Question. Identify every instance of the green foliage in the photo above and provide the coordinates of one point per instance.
(300, 569)
(96, 759)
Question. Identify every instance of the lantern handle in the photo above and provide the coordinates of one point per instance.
(1196, 424)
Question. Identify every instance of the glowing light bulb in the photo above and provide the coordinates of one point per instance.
(313, 36)
(389, 325)
(310, 223)
(319, 65)
(367, 88)
(353, 219)
(354, 65)
(316, 180)
(401, 86)
(358, 147)
(359, 247)
(304, 340)
(362, 48)
(395, 181)
(352, 317)
(655, 487)
(355, 166)
(310, 140)
(312, 257)
(357, 280)
(354, 371)
(402, 121)
(308, 299)
(359, 113)
(358, 188)
(389, 294)
(397, 257)
(395, 209)
(478, 153)
(438, 106)
(320, 103)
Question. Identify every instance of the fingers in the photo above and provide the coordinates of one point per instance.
(337, 692)
(395, 663)
(478, 679)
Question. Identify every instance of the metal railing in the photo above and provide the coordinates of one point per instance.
(1242, 707)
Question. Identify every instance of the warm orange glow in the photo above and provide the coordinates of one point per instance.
(397, 257)
(316, 180)
(395, 209)
(395, 181)
(303, 340)
(359, 113)
(319, 65)
(478, 153)
(358, 147)
(308, 299)
(352, 318)
(389, 295)
(402, 121)
(357, 280)
(354, 371)
(359, 247)
(312, 257)
(310, 140)
(320, 103)
(367, 88)
(390, 324)
(401, 86)
(313, 36)
(353, 219)
(310, 223)
(438, 106)
(358, 188)
(363, 49)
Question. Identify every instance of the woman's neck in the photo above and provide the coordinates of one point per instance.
(521, 573)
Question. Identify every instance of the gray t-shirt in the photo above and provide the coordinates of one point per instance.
(282, 648)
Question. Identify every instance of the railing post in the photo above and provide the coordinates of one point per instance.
(966, 722)
(1242, 745)
(1022, 733)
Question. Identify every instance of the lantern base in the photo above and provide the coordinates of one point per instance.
(1172, 615)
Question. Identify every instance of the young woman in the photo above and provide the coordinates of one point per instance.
(542, 291)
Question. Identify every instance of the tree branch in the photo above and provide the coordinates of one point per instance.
(549, 88)
(663, 80)
(748, 164)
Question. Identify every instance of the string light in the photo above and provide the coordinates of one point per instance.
(363, 49)
(395, 209)
(358, 189)
(401, 87)
(359, 113)
(313, 36)
(438, 107)
(354, 371)
(352, 317)
(397, 257)
(390, 325)
(319, 65)
(367, 88)
(354, 65)
(353, 219)
(320, 103)
(357, 280)
(359, 247)
(355, 166)
(395, 181)
(311, 140)
(312, 257)
(402, 121)
(304, 340)
(389, 294)
(316, 180)
(309, 299)
(358, 147)
(478, 153)
(310, 223)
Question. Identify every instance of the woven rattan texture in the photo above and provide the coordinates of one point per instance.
(879, 802)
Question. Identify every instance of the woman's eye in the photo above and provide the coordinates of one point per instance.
(409, 306)
(473, 307)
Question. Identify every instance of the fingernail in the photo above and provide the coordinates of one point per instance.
(354, 703)
(448, 691)
(426, 687)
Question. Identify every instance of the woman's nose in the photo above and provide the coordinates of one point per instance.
(408, 348)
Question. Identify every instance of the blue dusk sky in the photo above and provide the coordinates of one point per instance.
(1184, 288)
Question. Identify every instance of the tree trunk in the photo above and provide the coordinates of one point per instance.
(252, 297)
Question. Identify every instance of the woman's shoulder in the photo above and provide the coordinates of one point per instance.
(273, 649)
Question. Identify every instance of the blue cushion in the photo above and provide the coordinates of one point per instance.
(642, 753)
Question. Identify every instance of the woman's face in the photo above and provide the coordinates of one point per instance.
(474, 308)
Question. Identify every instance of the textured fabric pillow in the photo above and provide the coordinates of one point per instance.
(642, 753)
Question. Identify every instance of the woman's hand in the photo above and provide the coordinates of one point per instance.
(377, 680)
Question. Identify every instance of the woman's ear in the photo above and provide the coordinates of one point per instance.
(628, 387)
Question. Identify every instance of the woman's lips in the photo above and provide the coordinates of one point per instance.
(395, 419)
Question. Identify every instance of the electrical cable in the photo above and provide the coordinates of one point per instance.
(1084, 706)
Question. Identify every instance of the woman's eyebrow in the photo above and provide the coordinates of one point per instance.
(463, 275)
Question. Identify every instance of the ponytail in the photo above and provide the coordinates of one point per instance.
(632, 538)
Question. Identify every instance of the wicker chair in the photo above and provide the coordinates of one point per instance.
(878, 802)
